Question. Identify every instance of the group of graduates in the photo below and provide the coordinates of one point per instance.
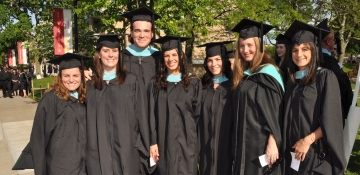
(141, 111)
(15, 82)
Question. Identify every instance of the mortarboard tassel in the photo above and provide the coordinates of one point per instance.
(82, 72)
(319, 47)
(261, 37)
(153, 26)
(179, 54)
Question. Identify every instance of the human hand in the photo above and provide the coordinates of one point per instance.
(154, 152)
(272, 151)
(87, 75)
(301, 148)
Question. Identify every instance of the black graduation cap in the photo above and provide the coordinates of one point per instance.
(230, 54)
(300, 32)
(325, 29)
(70, 60)
(108, 40)
(111, 41)
(215, 48)
(171, 42)
(142, 14)
(248, 29)
(282, 39)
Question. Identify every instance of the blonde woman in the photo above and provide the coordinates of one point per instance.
(258, 89)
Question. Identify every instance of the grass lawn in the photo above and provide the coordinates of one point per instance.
(41, 83)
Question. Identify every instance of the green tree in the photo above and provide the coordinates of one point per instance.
(346, 20)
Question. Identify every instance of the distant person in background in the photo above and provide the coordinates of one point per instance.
(15, 82)
(2, 79)
(329, 62)
(230, 55)
(50, 69)
(32, 68)
(24, 82)
(7, 84)
(56, 69)
(334, 51)
(282, 54)
(44, 69)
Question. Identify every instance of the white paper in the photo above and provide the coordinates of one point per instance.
(152, 162)
(295, 164)
(263, 160)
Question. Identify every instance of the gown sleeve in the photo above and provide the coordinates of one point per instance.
(152, 93)
(44, 123)
(143, 140)
(331, 123)
(197, 100)
(269, 100)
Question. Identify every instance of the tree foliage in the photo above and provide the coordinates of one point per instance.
(192, 18)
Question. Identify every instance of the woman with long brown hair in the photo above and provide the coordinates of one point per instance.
(58, 137)
(118, 127)
(282, 54)
(215, 122)
(312, 132)
(258, 89)
(175, 98)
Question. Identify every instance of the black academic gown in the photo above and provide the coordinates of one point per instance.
(214, 130)
(143, 67)
(118, 128)
(58, 138)
(257, 110)
(174, 115)
(304, 113)
(343, 82)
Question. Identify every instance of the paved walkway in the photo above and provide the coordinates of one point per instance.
(16, 118)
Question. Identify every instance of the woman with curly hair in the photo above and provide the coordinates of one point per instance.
(215, 121)
(58, 137)
(258, 89)
(175, 99)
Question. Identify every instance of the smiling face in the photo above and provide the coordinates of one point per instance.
(109, 58)
(71, 78)
(281, 50)
(247, 48)
(214, 64)
(171, 60)
(301, 55)
(141, 34)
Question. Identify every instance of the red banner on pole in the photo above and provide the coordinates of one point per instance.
(10, 58)
(62, 27)
(20, 53)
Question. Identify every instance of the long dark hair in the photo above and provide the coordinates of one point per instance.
(286, 57)
(162, 73)
(312, 67)
(99, 70)
(207, 78)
